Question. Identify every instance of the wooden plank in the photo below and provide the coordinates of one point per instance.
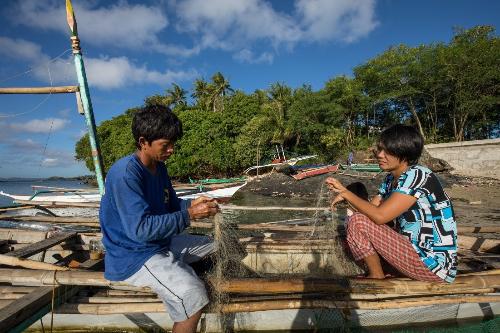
(40, 90)
(40, 246)
(23, 312)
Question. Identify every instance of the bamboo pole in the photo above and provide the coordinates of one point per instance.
(267, 286)
(111, 300)
(283, 304)
(58, 204)
(365, 305)
(32, 264)
(391, 286)
(268, 208)
(40, 90)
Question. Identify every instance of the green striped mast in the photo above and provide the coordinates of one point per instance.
(85, 97)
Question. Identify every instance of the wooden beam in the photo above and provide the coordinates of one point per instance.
(23, 312)
(40, 90)
(40, 246)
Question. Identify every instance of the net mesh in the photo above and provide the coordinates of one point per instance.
(319, 252)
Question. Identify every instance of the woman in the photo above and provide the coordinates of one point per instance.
(425, 243)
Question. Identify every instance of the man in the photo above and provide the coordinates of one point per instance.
(142, 220)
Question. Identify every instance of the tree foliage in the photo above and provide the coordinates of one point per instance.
(449, 91)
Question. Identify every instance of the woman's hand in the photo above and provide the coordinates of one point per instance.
(335, 201)
(334, 185)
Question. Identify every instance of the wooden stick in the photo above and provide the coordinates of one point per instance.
(8, 209)
(26, 263)
(479, 244)
(40, 90)
(481, 229)
(51, 219)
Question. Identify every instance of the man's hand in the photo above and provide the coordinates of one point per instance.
(201, 199)
(204, 208)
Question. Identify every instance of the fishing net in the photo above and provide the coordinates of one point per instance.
(319, 252)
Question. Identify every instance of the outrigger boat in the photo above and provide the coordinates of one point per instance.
(66, 196)
(277, 163)
(362, 167)
(311, 172)
(292, 300)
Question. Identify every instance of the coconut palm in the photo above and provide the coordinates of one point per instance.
(201, 93)
(220, 87)
(176, 95)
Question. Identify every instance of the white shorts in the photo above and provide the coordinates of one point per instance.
(169, 275)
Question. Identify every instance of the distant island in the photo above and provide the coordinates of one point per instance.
(86, 179)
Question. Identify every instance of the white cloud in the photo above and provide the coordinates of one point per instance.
(50, 162)
(20, 49)
(40, 125)
(247, 55)
(104, 72)
(109, 73)
(237, 26)
(27, 145)
(346, 20)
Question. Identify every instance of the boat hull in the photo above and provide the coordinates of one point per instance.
(281, 320)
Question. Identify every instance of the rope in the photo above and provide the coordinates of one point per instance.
(46, 98)
(33, 68)
(45, 149)
(54, 281)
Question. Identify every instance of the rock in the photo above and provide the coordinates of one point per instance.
(435, 164)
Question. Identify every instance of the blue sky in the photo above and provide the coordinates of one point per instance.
(134, 49)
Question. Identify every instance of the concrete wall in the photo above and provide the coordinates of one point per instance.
(471, 158)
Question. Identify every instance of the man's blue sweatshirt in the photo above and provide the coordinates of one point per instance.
(139, 214)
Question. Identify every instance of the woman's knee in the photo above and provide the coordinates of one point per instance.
(358, 223)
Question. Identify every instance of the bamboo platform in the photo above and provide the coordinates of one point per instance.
(28, 291)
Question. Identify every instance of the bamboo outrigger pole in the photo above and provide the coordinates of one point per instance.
(85, 97)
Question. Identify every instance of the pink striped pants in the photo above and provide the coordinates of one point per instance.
(366, 238)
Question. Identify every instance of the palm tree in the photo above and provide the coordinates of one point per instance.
(201, 93)
(177, 95)
(219, 88)
(280, 99)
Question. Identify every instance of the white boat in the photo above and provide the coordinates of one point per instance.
(291, 161)
(87, 197)
(70, 197)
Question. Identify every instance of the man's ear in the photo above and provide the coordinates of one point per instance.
(143, 142)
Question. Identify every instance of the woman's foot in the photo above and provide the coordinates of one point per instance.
(376, 277)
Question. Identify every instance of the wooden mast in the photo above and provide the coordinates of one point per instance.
(85, 96)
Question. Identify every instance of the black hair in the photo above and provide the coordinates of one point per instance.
(359, 189)
(155, 122)
(402, 141)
